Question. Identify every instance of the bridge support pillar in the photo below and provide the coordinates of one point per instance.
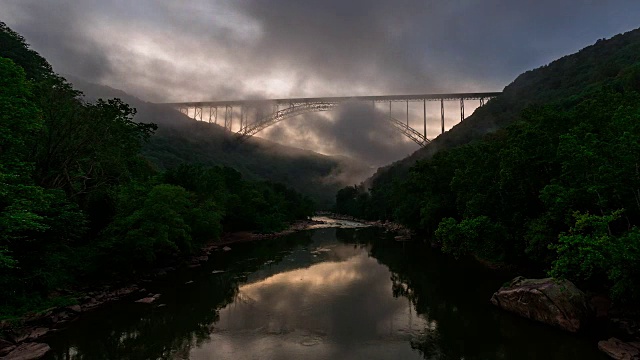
(213, 114)
(226, 117)
(442, 114)
(461, 109)
(407, 113)
(424, 108)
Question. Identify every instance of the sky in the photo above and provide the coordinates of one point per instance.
(170, 51)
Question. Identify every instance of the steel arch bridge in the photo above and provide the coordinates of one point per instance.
(256, 115)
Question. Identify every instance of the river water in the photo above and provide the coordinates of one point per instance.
(327, 293)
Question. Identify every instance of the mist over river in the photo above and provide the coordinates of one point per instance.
(325, 293)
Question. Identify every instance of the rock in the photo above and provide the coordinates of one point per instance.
(226, 248)
(189, 282)
(28, 351)
(620, 350)
(551, 301)
(147, 300)
(126, 291)
(217, 271)
(202, 258)
(5, 351)
(37, 333)
(6, 347)
(75, 308)
(60, 317)
(311, 341)
(19, 335)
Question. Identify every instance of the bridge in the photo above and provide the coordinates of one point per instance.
(256, 115)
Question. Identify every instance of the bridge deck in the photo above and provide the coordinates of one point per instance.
(340, 99)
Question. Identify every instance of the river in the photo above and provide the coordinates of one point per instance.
(326, 293)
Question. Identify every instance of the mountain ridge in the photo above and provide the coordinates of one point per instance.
(526, 91)
(180, 139)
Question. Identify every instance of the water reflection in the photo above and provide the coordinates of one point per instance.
(323, 294)
(342, 307)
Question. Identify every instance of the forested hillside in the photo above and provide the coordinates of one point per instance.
(557, 187)
(80, 203)
(180, 139)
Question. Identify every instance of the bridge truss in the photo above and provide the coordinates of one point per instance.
(256, 115)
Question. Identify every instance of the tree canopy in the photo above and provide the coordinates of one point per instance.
(79, 202)
(556, 188)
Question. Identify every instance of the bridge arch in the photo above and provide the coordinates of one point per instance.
(298, 106)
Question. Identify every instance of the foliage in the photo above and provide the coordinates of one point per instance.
(479, 235)
(156, 228)
(78, 201)
(544, 190)
(591, 252)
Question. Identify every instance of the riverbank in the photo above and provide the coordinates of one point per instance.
(401, 232)
(22, 336)
(297, 294)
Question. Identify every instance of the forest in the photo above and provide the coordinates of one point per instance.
(80, 204)
(556, 189)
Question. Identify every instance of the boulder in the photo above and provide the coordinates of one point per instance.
(28, 351)
(620, 350)
(551, 301)
(38, 333)
(75, 308)
(6, 347)
(226, 248)
(147, 300)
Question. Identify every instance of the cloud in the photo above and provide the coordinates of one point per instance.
(164, 50)
(354, 129)
(332, 306)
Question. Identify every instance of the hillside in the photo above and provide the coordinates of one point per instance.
(180, 139)
(80, 204)
(556, 82)
(544, 177)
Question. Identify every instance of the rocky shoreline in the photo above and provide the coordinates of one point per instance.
(559, 303)
(402, 233)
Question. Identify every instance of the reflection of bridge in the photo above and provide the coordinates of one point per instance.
(256, 115)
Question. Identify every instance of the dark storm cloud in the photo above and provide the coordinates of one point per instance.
(57, 33)
(362, 43)
(167, 50)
